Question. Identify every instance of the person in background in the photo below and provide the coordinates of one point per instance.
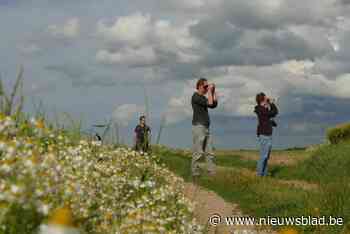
(142, 136)
(202, 142)
(98, 139)
(265, 110)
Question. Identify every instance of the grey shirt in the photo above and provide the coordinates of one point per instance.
(200, 107)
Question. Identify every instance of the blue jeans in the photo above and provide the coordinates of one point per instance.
(265, 143)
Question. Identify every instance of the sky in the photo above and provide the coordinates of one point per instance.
(98, 59)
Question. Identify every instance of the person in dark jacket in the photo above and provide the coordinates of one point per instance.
(266, 110)
(202, 141)
(142, 136)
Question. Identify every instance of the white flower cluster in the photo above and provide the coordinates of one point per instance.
(106, 190)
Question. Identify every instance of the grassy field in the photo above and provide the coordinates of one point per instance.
(301, 182)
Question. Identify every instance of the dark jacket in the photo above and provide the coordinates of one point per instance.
(142, 133)
(265, 123)
(200, 107)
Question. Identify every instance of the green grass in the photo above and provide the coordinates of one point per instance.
(328, 164)
(248, 159)
(260, 197)
(176, 162)
(235, 161)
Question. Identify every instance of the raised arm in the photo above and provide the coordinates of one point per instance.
(215, 101)
(210, 98)
(213, 96)
(273, 111)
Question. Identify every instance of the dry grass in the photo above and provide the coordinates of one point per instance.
(278, 157)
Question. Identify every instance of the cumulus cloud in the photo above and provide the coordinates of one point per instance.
(72, 71)
(132, 30)
(182, 4)
(289, 82)
(127, 112)
(260, 14)
(70, 29)
(137, 39)
(29, 49)
(179, 108)
(295, 52)
(128, 56)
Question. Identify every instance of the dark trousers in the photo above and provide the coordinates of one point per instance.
(142, 146)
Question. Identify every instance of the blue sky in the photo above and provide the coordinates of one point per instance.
(96, 58)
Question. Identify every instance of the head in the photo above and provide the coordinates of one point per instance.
(261, 98)
(142, 120)
(202, 86)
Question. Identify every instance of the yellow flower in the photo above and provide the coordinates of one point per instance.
(29, 141)
(288, 231)
(50, 148)
(62, 216)
(109, 215)
(3, 204)
(8, 161)
(40, 124)
(35, 159)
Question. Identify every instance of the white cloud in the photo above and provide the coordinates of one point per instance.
(138, 37)
(237, 87)
(194, 4)
(299, 127)
(298, 67)
(184, 4)
(341, 87)
(179, 108)
(128, 56)
(184, 57)
(125, 113)
(70, 29)
(29, 49)
(336, 33)
(305, 81)
(131, 30)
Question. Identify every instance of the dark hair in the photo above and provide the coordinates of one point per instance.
(200, 82)
(142, 117)
(260, 97)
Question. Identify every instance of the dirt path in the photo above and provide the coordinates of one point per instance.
(208, 203)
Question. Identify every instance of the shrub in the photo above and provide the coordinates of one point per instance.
(339, 133)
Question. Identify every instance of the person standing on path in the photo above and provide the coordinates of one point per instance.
(266, 110)
(202, 141)
(142, 136)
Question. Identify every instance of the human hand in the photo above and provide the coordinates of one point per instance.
(269, 100)
(212, 88)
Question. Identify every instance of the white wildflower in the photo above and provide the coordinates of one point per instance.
(56, 229)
